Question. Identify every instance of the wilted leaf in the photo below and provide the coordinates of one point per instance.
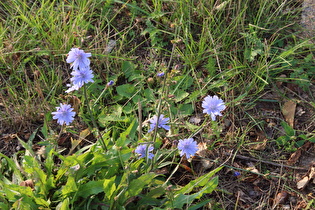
(27, 183)
(260, 142)
(195, 120)
(297, 154)
(288, 111)
(111, 44)
(281, 197)
(222, 5)
(303, 182)
(76, 142)
(294, 157)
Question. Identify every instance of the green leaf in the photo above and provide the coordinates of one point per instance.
(312, 139)
(185, 109)
(282, 140)
(24, 202)
(201, 181)
(41, 202)
(126, 90)
(4, 206)
(13, 191)
(137, 185)
(129, 133)
(180, 95)
(14, 167)
(211, 66)
(182, 199)
(130, 72)
(70, 187)
(148, 94)
(90, 188)
(199, 205)
(26, 146)
(109, 187)
(208, 186)
(64, 205)
(288, 129)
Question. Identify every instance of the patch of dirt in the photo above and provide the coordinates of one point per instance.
(308, 18)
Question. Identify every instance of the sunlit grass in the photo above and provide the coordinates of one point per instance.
(237, 50)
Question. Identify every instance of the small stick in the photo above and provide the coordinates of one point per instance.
(267, 162)
(140, 119)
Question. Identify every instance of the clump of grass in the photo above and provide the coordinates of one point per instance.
(237, 50)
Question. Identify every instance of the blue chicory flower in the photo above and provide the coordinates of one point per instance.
(142, 151)
(161, 74)
(237, 173)
(79, 78)
(78, 59)
(213, 106)
(72, 87)
(110, 83)
(64, 114)
(187, 147)
(82, 76)
(161, 123)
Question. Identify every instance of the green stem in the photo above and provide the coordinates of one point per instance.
(205, 122)
(99, 97)
(93, 119)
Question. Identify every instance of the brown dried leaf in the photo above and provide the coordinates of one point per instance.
(206, 164)
(63, 138)
(41, 151)
(27, 183)
(260, 141)
(259, 145)
(202, 149)
(281, 197)
(288, 111)
(294, 157)
(76, 142)
(303, 182)
(297, 154)
(280, 81)
(75, 101)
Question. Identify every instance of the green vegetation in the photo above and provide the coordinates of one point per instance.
(249, 53)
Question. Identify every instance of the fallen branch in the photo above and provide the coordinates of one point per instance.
(267, 162)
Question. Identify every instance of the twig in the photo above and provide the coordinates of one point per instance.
(267, 162)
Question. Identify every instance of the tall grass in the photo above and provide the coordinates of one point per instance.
(237, 49)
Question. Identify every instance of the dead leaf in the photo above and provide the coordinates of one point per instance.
(260, 142)
(75, 101)
(297, 154)
(202, 149)
(288, 111)
(281, 197)
(63, 138)
(303, 182)
(294, 157)
(27, 183)
(280, 81)
(41, 151)
(206, 164)
(76, 142)
(195, 120)
(111, 44)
